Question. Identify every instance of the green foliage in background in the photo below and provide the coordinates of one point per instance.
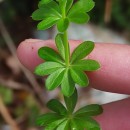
(120, 11)
(6, 94)
(121, 14)
(17, 13)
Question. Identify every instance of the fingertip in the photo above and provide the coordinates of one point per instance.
(27, 53)
(116, 115)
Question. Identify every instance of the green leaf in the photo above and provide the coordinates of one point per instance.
(44, 13)
(79, 17)
(82, 6)
(89, 123)
(47, 68)
(54, 80)
(60, 44)
(62, 4)
(63, 24)
(57, 107)
(65, 4)
(76, 124)
(92, 125)
(6, 94)
(44, 2)
(67, 85)
(79, 77)
(71, 101)
(47, 118)
(68, 5)
(48, 54)
(55, 124)
(63, 126)
(87, 65)
(47, 23)
(82, 51)
(51, 6)
(89, 110)
(87, 5)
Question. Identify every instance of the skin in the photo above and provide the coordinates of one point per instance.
(114, 76)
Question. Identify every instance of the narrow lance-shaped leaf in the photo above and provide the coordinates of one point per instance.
(63, 24)
(54, 80)
(67, 85)
(82, 51)
(47, 118)
(47, 23)
(55, 124)
(87, 65)
(57, 107)
(71, 101)
(47, 68)
(49, 54)
(79, 77)
(89, 110)
(60, 45)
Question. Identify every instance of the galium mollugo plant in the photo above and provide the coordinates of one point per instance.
(65, 70)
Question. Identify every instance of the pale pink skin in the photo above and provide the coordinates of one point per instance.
(114, 76)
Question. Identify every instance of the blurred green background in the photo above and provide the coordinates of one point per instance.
(18, 92)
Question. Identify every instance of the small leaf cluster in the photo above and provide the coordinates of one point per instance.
(64, 70)
(64, 118)
(64, 75)
(61, 13)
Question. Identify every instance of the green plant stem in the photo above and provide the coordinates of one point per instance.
(67, 51)
(65, 37)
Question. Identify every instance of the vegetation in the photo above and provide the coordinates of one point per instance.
(66, 69)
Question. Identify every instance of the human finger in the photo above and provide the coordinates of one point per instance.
(114, 75)
(116, 116)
